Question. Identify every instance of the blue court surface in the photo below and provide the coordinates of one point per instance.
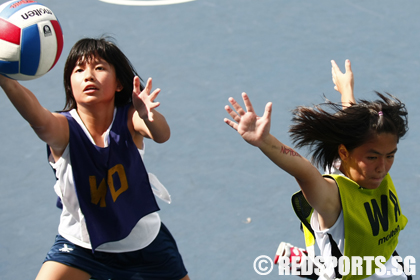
(230, 203)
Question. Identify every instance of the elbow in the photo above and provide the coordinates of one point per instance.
(163, 137)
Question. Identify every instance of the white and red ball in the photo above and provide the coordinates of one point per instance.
(31, 39)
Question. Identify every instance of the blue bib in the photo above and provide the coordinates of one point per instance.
(112, 184)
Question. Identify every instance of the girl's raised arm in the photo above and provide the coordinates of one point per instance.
(146, 120)
(320, 192)
(50, 127)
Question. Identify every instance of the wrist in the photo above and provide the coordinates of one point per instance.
(3, 80)
(267, 142)
(7, 83)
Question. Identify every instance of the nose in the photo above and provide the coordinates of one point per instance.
(381, 165)
(88, 74)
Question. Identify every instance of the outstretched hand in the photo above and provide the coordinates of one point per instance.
(143, 101)
(252, 128)
(343, 82)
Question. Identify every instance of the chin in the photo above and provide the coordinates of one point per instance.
(372, 186)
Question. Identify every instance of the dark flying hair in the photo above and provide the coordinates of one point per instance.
(324, 127)
(87, 49)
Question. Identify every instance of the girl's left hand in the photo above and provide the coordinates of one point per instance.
(342, 81)
(144, 101)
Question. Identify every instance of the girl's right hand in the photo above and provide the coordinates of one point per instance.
(252, 128)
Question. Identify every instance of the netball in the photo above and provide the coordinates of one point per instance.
(31, 39)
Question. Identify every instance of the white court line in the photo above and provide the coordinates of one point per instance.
(145, 3)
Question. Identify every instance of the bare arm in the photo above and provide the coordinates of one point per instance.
(50, 127)
(146, 120)
(320, 192)
(344, 83)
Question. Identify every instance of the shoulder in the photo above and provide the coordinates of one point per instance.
(330, 207)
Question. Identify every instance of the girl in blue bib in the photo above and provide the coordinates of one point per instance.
(109, 226)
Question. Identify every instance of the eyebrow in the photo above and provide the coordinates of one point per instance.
(378, 153)
(90, 59)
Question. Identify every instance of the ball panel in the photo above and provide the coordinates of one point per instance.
(9, 32)
(11, 7)
(48, 47)
(9, 51)
(30, 50)
(60, 40)
(21, 77)
(9, 67)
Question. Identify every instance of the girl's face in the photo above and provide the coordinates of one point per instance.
(368, 164)
(94, 80)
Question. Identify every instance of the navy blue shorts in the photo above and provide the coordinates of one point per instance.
(160, 260)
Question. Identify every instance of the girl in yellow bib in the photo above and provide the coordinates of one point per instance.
(358, 208)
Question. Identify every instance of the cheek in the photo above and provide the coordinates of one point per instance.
(73, 81)
(367, 167)
(362, 169)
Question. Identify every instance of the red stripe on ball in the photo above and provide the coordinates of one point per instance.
(60, 41)
(9, 32)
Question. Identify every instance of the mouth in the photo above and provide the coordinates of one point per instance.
(90, 89)
(378, 179)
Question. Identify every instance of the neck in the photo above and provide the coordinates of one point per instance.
(97, 121)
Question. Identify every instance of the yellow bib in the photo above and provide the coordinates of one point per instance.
(372, 220)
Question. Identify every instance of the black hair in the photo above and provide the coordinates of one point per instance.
(324, 130)
(87, 49)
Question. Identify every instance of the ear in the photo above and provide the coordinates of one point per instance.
(119, 87)
(343, 152)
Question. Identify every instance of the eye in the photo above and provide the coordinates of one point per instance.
(371, 158)
(78, 70)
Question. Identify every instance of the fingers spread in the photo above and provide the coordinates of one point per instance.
(334, 67)
(348, 66)
(268, 109)
(231, 124)
(247, 102)
(233, 114)
(150, 116)
(136, 85)
(149, 83)
(154, 94)
(236, 106)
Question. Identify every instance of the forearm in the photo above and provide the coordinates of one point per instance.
(320, 194)
(288, 159)
(158, 129)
